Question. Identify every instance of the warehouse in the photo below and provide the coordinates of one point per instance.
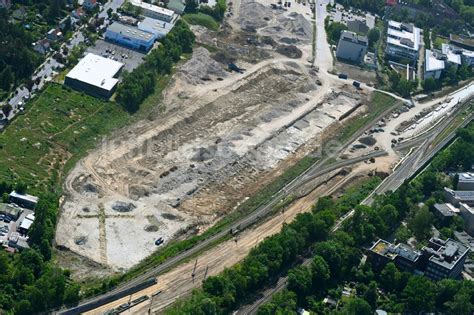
(130, 36)
(95, 75)
(156, 27)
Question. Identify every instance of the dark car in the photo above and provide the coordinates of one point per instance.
(342, 76)
(159, 241)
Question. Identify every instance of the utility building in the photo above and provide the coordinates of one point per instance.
(95, 75)
(352, 47)
(130, 36)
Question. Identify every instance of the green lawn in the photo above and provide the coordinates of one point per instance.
(60, 124)
(377, 105)
(202, 19)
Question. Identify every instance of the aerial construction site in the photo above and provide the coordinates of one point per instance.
(216, 138)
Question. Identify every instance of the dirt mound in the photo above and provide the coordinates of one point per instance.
(121, 206)
(290, 29)
(290, 51)
(201, 67)
(151, 228)
(254, 15)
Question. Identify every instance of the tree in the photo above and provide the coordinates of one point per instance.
(356, 306)
(20, 187)
(373, 36)
(6, 78)
(109, 12)
(390, 277)
(6, 109)
(321, 273)
(300, 280)
(334, 31)
(430, 84)
(191, 6)
(461, 304)
(420, 223)
(371, 294)
(419, 295)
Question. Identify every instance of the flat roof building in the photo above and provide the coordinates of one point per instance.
(434, 65)
(358, 27)
(446, 258)
(352, 47)
(95, 75)
(456, 197)
(402, 255)
(130, 36)
(445, 212)
(452, 55)
(176, 6)
(25, 225)
(11, 210)
(465, 181)
(467, 213)
(461, 41)
(23, 200)
(154, 11)
(156, 27)
(403, 41)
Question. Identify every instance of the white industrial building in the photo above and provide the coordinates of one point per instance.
(130, 36)
(436, 61)
(403, 41)
(154, 11)
(433, 65)
(352, 47)
(95, 75)
(158, 28)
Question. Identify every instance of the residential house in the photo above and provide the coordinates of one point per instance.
(54, 34)
(78, 13)
(89, 4)
(42, 46)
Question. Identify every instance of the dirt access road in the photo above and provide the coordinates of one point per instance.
(222, 136)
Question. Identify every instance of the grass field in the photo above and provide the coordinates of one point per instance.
(59, 124)
(379, 103)
(202, 19)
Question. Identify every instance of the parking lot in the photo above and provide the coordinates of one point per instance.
(339, 14)
(8, 226)
(130, 58)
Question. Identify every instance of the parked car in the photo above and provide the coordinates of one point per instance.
(159, 241)
(342, 76)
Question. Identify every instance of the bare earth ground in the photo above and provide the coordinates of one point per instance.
(221, 138)
(178, 282)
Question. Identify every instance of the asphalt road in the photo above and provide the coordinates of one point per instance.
(47, 70)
